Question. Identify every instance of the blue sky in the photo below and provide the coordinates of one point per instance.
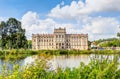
(99, 18)
(16, 8)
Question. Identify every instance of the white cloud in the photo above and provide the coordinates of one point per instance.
(96, 27)
(101, 27)
(67, 11)
(102, 5)
(78, 9)
(33, 24)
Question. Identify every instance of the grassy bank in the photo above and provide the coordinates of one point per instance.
(16, 54)
(21, 53)
(97, 69)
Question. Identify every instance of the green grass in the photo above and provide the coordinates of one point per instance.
(16, 54)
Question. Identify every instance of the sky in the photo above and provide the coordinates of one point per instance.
(99, 19)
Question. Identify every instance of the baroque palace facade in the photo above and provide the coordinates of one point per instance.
(59, 40)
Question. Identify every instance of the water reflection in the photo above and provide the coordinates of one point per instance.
(62, 61)
(69, 61)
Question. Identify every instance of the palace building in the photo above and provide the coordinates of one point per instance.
(59, 40)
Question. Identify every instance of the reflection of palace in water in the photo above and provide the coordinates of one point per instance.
(60, 40)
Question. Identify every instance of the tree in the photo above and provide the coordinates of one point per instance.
(12, 34)
(3, 33)
(118, 34)
(30, 44)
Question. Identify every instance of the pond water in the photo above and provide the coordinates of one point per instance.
(62, 61)
(72, 61)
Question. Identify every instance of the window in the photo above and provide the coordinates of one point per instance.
(59, 36)
(66, 40)
(62, 36)
(56, 36)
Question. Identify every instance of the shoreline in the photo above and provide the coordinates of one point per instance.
(22, 53)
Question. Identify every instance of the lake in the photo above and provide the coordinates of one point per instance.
(62, 61)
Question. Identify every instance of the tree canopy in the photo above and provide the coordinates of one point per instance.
(110, 42)
(12, 35)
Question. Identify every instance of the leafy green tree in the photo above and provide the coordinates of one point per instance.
(113, 43)
(109, 42)
(3, 33)
(30, 44)
(12, 34)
